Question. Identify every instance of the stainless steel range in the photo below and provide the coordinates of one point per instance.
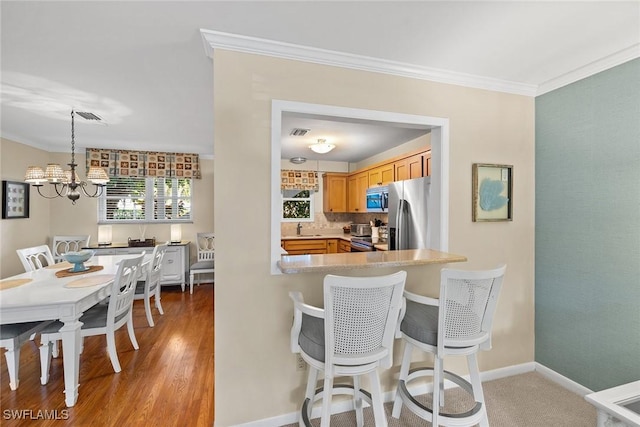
(362, 244)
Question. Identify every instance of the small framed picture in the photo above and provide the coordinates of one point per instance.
(492, 194)
(15, 200)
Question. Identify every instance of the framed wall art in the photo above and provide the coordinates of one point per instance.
(15, 200)
(492, 193)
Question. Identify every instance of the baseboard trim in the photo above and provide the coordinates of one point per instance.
(562, 380)
(344, 406)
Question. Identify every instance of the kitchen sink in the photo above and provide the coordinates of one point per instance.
(308, 235)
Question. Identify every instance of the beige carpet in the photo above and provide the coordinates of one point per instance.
(526, 400)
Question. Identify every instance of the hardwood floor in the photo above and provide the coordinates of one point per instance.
(169, 381)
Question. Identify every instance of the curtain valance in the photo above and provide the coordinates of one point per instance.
(299, 180)
(144, 164)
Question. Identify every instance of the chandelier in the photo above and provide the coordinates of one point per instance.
(67, 183)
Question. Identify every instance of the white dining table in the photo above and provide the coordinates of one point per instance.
(46, 297)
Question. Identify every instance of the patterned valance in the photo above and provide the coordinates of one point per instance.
(299, 180)
(144, 164)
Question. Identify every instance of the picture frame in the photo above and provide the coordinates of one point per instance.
(15, 200)
(492, 192)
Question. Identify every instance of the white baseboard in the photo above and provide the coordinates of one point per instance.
(562, 380)
(347, 405)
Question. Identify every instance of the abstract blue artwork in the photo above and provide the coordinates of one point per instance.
(490, 195)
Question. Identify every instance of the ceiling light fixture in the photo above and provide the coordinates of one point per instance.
(298, 160)
(321, 147)
(66, 183)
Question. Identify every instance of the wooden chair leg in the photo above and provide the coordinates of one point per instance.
(357, 401)
(404, 373)
(45, 359)
(147, 310)
(376, 400)
(326, 401)
(13, 365)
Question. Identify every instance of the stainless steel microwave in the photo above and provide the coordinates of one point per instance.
(378, 199)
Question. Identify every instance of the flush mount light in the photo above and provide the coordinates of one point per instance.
(298, 160)
(321, 147)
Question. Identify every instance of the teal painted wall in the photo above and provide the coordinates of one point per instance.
(588, 228)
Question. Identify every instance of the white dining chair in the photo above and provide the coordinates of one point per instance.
(35, 257)
(352, 336)
(205, 261)
(150, 286)
(62, 244)
(458, 323)
(12, 336)
(101, 319)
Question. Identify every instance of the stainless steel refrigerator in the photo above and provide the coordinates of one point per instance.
(408, 214)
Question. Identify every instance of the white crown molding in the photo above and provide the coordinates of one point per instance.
(220, 40)
(590, 69)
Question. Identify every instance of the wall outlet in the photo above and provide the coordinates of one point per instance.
(301, 365)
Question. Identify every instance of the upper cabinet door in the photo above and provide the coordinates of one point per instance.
(334, 196)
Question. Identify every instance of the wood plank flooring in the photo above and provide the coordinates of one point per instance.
(169, 381)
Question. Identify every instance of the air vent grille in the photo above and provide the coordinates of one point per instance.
(299, 132)
(88, 116)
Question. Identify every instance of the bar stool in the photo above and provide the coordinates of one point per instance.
(458, 323)
(351, 336)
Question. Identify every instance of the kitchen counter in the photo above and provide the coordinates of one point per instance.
(306, 236)
(332, 263)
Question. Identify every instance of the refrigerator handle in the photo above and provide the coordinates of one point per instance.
(400, 224)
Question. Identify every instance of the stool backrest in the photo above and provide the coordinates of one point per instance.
(361, 314)
(467, 304)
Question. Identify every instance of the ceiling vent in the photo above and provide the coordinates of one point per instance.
(88, 116)
(299, 132)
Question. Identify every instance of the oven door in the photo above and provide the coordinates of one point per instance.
(361, 247)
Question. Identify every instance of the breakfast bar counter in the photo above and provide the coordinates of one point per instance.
(332, 263)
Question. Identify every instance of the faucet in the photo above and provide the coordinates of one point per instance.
(298, 228)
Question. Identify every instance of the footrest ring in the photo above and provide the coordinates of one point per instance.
(474, 415)
(305, 411)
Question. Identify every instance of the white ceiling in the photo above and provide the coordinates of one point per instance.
(141, 66)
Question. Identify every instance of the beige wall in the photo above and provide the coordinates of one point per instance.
(21, 233)
(59, 217)
(255, 371)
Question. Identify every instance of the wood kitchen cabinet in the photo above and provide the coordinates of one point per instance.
(381, 175)
(334, 192)
(305, 246)
(344, 246)
(426, 163)
(357, 185)
(409, 168)
(332, 246)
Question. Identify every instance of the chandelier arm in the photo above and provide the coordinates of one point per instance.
(96, 193)
(48, 197)
(64, 187)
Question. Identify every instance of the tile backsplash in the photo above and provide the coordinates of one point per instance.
(330, 223)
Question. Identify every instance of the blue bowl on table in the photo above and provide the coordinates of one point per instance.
(78, 259)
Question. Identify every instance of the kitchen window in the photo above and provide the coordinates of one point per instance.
(297, 206)
(135, 200)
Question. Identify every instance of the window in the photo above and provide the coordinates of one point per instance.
(297, 205)
(146, 200)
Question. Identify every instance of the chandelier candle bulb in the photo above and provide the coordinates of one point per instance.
(176, 233)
